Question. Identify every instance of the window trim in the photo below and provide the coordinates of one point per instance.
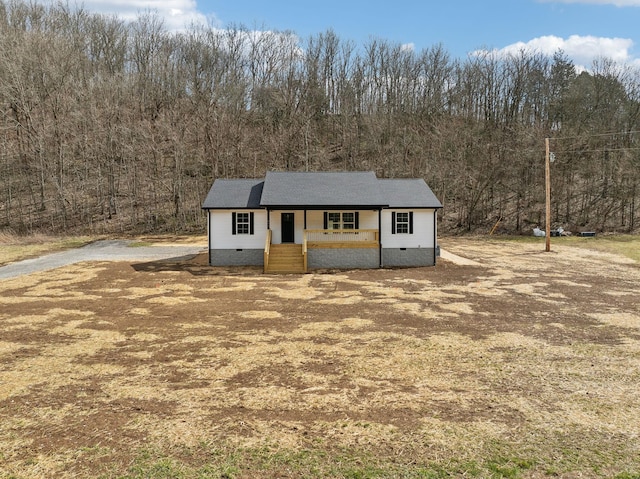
(395, 223)
(355, 223)
(402, 222)
(247, 224)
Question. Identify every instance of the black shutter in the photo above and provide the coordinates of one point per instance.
(326, 220)
(357, 220)
(233, 223)
(251, 223)
(393, 222)
(411, 222)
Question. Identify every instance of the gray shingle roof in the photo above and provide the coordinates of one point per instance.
(408, 193)
(320, 190)
(234, 194)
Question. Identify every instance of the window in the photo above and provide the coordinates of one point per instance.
(334, 221)
(402, 222)
(242, 223)
(347, 220)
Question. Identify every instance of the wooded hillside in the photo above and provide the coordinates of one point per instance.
(111, 126)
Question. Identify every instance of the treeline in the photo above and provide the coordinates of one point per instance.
(112, 126)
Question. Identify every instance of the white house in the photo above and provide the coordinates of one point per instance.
(293, 222)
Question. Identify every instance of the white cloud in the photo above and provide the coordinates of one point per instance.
(583, 50)
(617, 3)
(177, 14)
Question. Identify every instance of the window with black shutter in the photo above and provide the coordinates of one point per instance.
(402, 222)
(346, 220)
(242, 223)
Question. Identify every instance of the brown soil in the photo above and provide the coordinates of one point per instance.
(102, 360)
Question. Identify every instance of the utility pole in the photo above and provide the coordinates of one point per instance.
(547, 184)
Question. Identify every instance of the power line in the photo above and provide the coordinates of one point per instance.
(597, 150)
(632, 132)
(536, 150)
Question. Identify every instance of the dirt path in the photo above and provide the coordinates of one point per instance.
(106, 250)
(455, 259)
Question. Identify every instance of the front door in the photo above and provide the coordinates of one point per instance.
(288, 228)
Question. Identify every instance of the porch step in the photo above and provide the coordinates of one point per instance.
(285, 258)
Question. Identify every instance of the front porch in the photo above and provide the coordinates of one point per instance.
(346, 248)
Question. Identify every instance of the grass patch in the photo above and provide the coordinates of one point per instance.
(625, 245)
(172, 239)
(139, 244)
(620, 244)
(270, 461)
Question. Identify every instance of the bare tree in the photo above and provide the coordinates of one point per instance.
(110, 125)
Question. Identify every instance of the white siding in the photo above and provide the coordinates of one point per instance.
(423, 230)
(220, 230)
(276, 225)
(369, 220)
(315, 220)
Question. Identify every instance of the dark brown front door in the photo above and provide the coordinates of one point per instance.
(288, 228)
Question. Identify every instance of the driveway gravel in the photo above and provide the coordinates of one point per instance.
(124, 250)
(106, 250)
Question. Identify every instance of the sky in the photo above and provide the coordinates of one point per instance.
(584, 29)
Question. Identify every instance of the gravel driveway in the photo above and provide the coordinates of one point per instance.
(107, 250)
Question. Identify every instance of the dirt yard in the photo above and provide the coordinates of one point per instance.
(524, 365)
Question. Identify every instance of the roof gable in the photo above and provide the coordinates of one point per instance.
(289, 189)
(226, 194)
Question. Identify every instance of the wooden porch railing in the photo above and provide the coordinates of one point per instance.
(341, 238)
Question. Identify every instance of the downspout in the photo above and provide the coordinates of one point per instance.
(209, 233)
(435, 235)
(380, 236)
